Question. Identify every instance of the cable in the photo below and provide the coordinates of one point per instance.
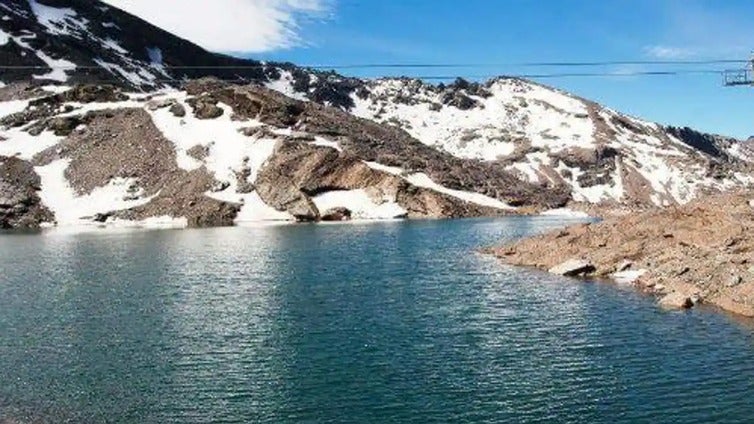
(416, 65)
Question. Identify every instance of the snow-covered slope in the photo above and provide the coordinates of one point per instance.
(544, 135)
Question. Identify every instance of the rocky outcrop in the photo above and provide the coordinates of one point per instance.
(20, 205)
(297, 171)
(700, 252)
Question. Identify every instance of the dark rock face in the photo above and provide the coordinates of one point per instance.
(20, 205)
(706, 143)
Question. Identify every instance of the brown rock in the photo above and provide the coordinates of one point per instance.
(573, 268)
(692, 264)
(676, 300)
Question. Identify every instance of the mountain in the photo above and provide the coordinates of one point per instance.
(104, 118)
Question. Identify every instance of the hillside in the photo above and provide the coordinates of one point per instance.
(465, 149)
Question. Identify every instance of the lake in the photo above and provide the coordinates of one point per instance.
(379, 322)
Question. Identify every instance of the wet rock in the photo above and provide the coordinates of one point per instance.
(573, 268)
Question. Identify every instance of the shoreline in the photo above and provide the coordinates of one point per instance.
(699, 253)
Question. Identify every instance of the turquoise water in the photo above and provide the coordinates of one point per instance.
(393, 322)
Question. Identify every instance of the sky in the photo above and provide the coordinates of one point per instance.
(498, 32)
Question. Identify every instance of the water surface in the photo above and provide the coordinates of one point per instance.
(391, 322)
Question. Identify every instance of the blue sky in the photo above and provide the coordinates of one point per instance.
(515, 31)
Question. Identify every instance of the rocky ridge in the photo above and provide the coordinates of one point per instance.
(700, 252)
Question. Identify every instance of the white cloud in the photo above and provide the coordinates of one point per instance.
(701, 29)
(670, 52)
(229, 25)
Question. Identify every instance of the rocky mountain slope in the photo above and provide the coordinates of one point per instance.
(218, 154)
(544, 135)
(695, 253)
(397, 145)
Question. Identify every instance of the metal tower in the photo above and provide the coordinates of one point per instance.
(736, 77)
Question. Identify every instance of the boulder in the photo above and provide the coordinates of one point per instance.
(677, 300)
(156, 104)
(204, 110)
(178, 110)
(336, 214)
(573, 268)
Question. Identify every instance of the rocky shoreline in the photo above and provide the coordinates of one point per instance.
(699, 253)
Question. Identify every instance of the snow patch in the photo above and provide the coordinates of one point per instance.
(360, 204)
(255, 210)
(319, 141)
(72, 209)
(139, 77)
(24, 145)
(58, 20)
(284, 85)
(58, 67)
(12, 106)
(385, 168)
(423, 180)
(111, 44)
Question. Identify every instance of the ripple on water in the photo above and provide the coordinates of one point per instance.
(384, 322)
